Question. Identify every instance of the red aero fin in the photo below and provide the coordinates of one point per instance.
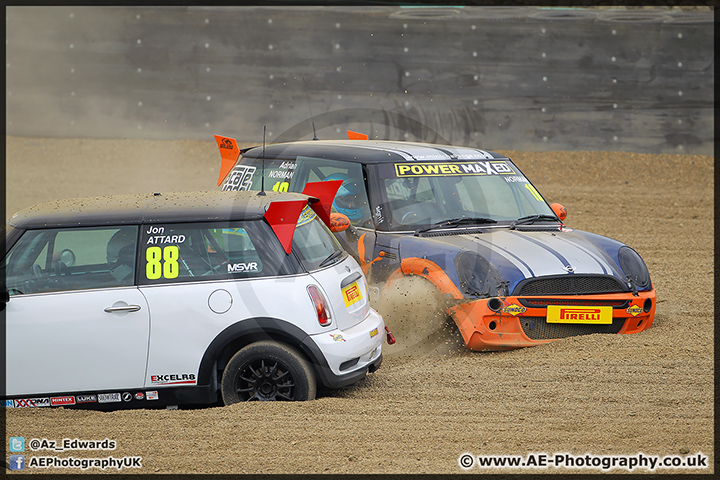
(283, 217)
(325, 192)
(356, 136)
(229, 152)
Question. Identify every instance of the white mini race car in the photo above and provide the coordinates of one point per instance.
(182, 299)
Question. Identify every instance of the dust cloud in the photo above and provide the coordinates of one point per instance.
(414, 311)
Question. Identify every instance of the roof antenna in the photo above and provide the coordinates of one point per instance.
(262, 176)
(312, 119)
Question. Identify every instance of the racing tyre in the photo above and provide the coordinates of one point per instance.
(268, 371)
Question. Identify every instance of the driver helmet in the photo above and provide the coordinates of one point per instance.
(125, 236)
(348, 200)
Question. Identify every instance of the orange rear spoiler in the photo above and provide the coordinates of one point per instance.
(229, 153)
(356, 136)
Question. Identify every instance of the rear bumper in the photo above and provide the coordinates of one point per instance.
(351, 353)
(521, 321)
(330, 380)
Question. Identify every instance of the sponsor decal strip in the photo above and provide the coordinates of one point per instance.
(174, 379)
(108, 397)
(83, 398)
(240, 178)
(31, 402)
(434, 169)
(86, 398)
(587, 315)
(514, 309)
(351, 294)
(242, 267)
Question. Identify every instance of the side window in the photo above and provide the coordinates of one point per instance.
(313, 242)
(53, 260)
(291, 174)
(243, 256)
(351, 199)
(197, 252)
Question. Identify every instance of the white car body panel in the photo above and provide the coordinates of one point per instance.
(363, 340)
(331, 280)
(65, 341)
(183, 325)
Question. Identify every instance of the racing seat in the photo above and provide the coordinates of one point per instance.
(194, 259)
(121, 256)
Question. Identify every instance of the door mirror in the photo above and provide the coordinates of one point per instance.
(559, 210)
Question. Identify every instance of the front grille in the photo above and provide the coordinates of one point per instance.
(569, 285)
(536, 328)
(544, 302)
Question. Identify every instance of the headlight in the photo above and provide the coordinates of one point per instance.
(634, 267)
(477, 276)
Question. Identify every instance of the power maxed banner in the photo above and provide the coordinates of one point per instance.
(444, 169)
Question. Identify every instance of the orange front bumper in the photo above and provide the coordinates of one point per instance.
(483, 328)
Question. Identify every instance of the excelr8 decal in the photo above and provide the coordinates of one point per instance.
(443, 169)
(174, 379)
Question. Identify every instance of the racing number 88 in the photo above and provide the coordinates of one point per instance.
(155, 267)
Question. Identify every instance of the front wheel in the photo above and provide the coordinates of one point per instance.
(268, 371)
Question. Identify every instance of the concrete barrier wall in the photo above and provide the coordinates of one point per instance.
(498, 77)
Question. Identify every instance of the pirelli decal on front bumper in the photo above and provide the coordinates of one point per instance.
(567, 314)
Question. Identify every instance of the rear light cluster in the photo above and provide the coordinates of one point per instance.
(321, 308)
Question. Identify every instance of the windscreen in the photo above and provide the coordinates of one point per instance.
(423, 193)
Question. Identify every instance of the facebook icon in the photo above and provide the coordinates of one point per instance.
(17, 462)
